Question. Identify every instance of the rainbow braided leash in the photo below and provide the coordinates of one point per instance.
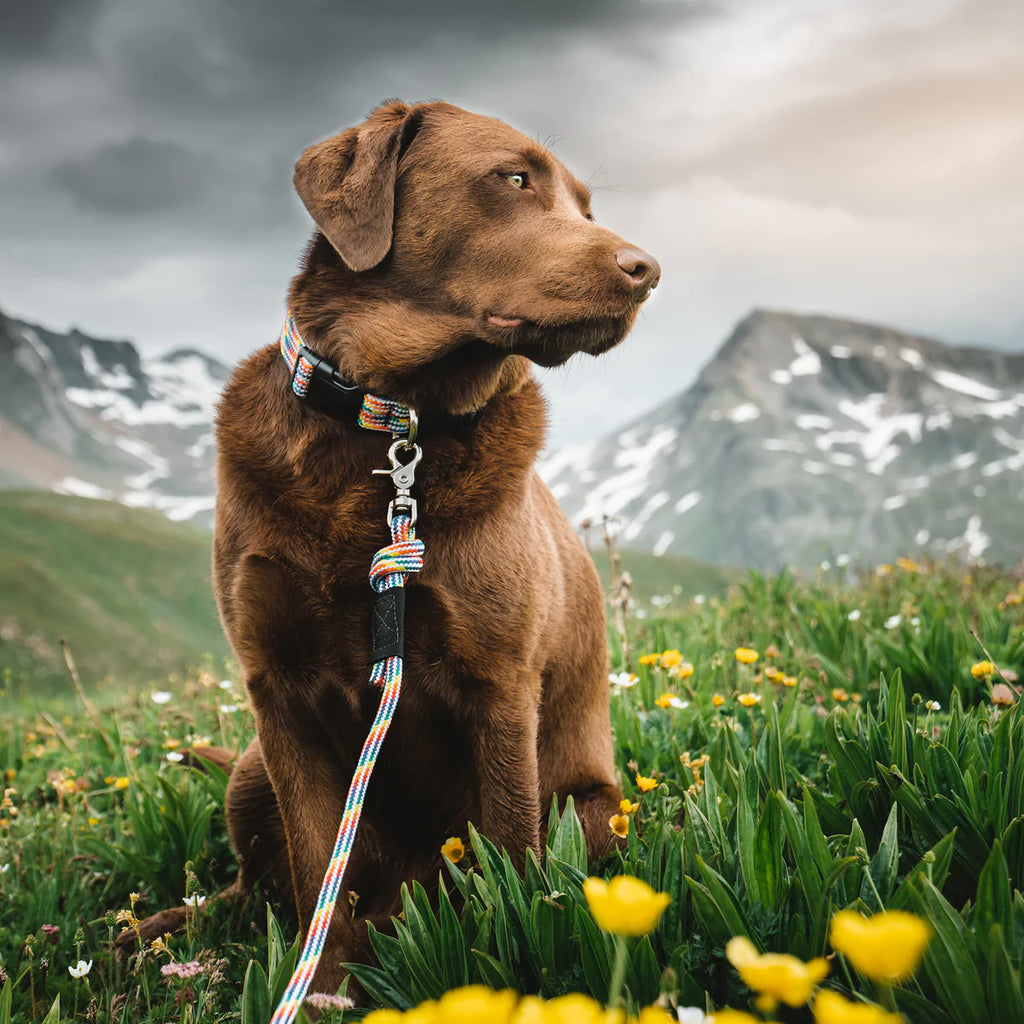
(388, 572)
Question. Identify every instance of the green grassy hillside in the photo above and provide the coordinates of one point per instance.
(128, 589)
(672, 575)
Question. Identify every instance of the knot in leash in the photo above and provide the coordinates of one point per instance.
(389, 569)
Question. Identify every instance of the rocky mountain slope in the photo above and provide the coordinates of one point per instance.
(86, 416)
(809, 439)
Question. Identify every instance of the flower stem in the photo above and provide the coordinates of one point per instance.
(618, 972)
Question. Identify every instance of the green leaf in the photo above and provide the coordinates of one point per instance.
(568, 843)
(948, 961)
(256, 1008)
(494, 972)
(1003, 982)
(454, 960)
(595, 953)
(883, 866)
(644, 974)
(992, 904)
(53, 1017)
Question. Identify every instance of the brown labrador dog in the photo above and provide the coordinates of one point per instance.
(451, 251)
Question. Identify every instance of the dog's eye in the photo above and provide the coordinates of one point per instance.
(519, 179)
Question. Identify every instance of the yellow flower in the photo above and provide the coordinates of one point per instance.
(734, 1017)
(840, 695)
(1013, 599)
(831, 1008)
(777, 977)
(774, 674)
(884, 570)
(653, 1015)
(982, 669)
(110, 780)
(789, 680)
(575, 1008)
(886, 947)
(385, 1017)
(619, 824)
(625, 905)
(746, 655)
(170, 743)
(121, 782)
(681, 671)
(474, 1004)
(748, 700)
(649, 659)
(453, 849)
(93, 820)
(645, 784)
(671, 658)
(717, 700)
(664, 701)
(625, 807)
(908, 565)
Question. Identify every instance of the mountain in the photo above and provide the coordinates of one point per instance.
(92, 417)
(810, 438)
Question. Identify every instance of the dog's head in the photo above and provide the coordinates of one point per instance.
(459, 245)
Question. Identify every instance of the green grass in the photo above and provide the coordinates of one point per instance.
(667, 578)
(128, 589)
(845, 790)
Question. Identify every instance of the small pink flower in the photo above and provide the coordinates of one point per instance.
(325, 1001)
(52, 933)
(189, 970)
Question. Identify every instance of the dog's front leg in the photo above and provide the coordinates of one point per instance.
(505, 746)
(310, 790)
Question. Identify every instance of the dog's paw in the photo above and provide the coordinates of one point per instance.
(149, 928)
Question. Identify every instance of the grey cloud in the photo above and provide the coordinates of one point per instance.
(237, 55)
(47, 28)
(138, 175)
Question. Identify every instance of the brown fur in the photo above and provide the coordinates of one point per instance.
(423, 239)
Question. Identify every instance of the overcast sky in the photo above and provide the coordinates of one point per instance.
(857, 157)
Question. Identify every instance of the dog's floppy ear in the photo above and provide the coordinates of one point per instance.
(347, 183)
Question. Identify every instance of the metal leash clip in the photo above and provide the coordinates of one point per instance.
(403, 476)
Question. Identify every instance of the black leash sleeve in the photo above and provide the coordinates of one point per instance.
(388, 624)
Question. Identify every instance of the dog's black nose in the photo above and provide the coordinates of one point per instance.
(640, 267)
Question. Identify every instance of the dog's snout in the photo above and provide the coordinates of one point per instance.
(642, 269)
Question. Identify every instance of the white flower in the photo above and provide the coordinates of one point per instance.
(699, 598)
(933, 705)
(842, 560)
(826, 565)
(228, 709)
(692, 1015)
(194, 901)
(81, 969)
(4, 868)
(161, 697)
(675, 702)
(893, 621)
(622, 680)
(175, 756)
(854, 615)
(225, 684)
